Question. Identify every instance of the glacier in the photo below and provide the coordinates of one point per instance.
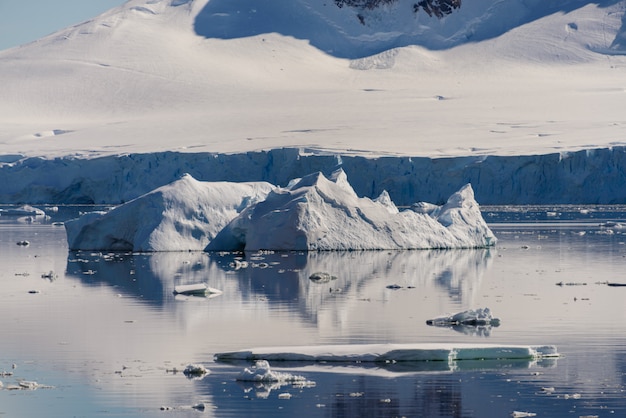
(556, 178)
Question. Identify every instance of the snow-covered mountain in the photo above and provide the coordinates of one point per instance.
(485, 80)
(358, 28)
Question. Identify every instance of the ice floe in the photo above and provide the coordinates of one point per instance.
(24, 210)
(445, 352)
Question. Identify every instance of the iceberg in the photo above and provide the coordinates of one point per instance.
(181, 216)
(477, 322)
(313, 213)
(481, 316)
(318, 213)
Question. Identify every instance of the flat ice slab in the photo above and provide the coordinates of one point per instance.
(199, 289)
(392, 353)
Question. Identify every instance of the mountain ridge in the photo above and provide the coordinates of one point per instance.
(140, 78)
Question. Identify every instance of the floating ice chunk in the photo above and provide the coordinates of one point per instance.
(31, 385)
(522, 414)
(481, 316)
(321, 277)
(195, 370)
(261, 372)
(197, 289)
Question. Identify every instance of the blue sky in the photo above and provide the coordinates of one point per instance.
(23, 21)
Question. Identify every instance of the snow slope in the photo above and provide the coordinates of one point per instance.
(152, 76)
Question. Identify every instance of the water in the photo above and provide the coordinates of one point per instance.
(104, 334)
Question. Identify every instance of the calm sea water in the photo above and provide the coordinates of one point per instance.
(103, 334)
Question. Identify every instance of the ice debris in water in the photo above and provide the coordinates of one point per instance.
(521, 414)
(321, 277)
(195, 370)
(481, 316)
(261, 372)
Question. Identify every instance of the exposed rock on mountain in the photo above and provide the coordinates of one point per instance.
(439, 8)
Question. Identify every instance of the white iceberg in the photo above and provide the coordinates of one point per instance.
(373, 353)
(319, 213)
(181, 216)
(312, 213)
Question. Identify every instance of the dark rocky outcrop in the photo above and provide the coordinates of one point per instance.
(439, 8)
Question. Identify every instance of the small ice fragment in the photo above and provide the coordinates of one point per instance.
(481, 316)
(521, 414)
(261, 372)
(284, 396)
(321, 277)
(25, 384)
(237, 264)
(195, 370)
(199, 289)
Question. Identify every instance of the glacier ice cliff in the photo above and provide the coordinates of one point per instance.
(594, 176)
